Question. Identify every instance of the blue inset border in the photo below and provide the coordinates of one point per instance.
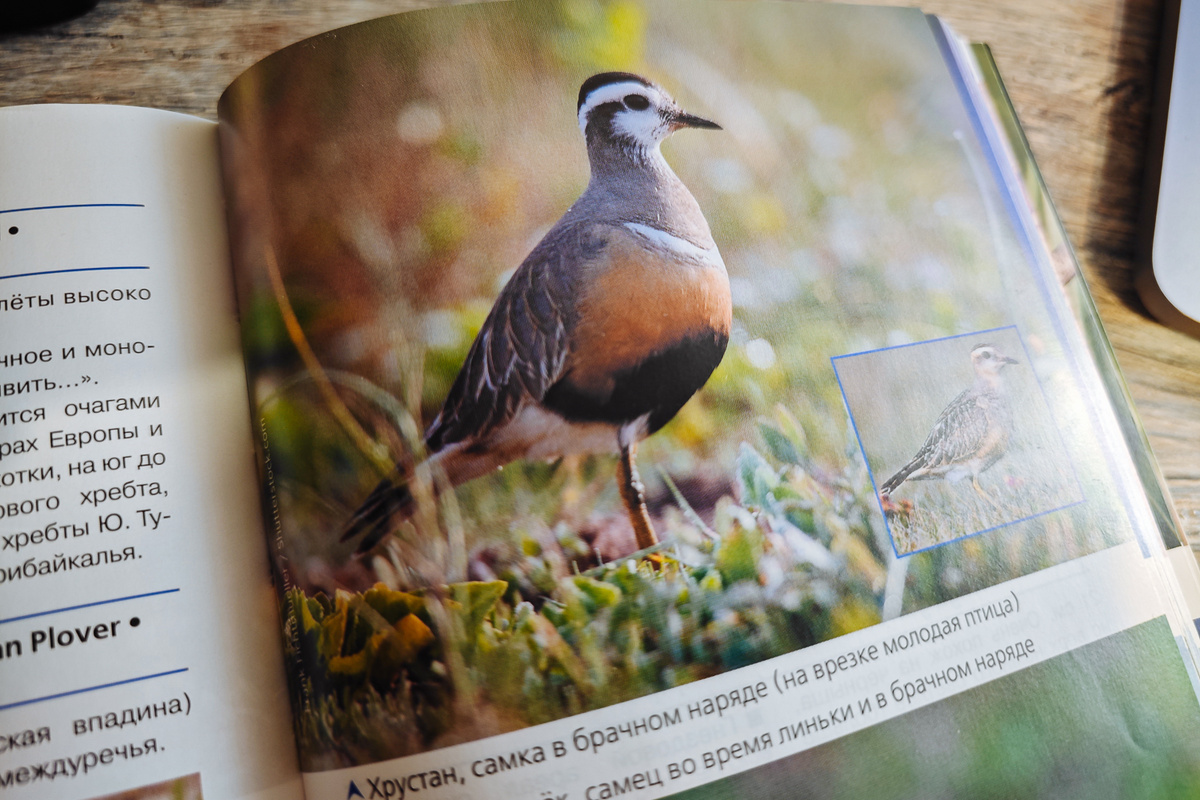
(866, 461)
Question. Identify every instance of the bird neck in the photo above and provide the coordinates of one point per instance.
(637, 185)
(615, 155)
(989, 382)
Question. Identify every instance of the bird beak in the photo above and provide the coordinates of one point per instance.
(686, 120)
(1008, 360)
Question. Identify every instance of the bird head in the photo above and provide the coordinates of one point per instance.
(630, 112)
(988, 360)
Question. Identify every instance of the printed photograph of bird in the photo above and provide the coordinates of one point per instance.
(970, 435)
(472, 314)
(616, 318)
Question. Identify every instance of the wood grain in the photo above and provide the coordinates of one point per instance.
(1081, 75)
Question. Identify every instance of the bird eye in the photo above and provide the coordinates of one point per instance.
(637, 102)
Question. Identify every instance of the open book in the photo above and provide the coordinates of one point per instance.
(573, 400)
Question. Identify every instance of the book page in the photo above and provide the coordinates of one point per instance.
(665, 400)
(1048, 236)
(138, 639)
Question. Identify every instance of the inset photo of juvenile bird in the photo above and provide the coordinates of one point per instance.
(970, 435)
(607, 328)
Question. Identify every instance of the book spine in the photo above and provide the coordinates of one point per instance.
(1042, 226)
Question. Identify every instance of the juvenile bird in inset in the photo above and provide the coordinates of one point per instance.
(609, 326)
(972, 432)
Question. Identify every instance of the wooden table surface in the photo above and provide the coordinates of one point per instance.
(1081, 75)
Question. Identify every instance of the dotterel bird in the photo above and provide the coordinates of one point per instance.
(609, 326)
(972, 432)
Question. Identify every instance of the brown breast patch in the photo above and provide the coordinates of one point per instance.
(638, 302)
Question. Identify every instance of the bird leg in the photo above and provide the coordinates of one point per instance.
(632, 492)
(983, 494)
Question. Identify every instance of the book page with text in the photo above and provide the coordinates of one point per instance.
(139, 651)
(675, 404)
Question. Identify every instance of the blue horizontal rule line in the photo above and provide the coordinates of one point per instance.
(7, 706)
(60, 271)
(87, 605)
(73, 205)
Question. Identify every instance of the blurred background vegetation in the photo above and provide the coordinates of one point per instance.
(387, 178)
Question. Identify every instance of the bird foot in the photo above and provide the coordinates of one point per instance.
(987, 498)
(885, 502)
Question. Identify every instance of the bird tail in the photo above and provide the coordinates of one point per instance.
(900, 477)
(387, 502)
(392, 500)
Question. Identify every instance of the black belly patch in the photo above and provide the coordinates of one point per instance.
(658, 386)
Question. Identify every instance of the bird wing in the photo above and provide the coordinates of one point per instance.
(958, 433)
(521, 349)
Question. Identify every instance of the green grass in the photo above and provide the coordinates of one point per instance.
(942, 512)
(387, 672)
(794, 555)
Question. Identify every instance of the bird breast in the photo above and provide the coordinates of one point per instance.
(643, 296)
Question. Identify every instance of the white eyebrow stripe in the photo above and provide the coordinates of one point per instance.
(613, 92)
(675, 244)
